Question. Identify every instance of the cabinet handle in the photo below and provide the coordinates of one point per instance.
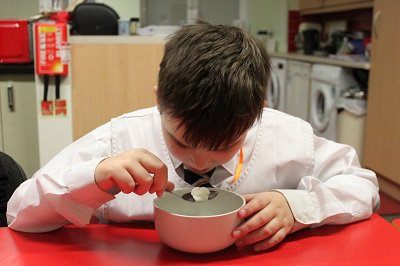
(10, 94)
(374, 23)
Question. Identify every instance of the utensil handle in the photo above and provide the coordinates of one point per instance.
(10, 94)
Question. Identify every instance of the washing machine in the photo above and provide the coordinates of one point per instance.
(327, 83)
(298, 89)
(276, 92)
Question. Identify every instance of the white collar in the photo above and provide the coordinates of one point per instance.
(220, 174)
(229, 166)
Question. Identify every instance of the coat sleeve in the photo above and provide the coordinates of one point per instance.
(338, 191)
(64, 190)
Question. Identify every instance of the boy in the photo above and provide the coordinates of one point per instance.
(210, 120)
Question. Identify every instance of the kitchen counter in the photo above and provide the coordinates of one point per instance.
(116, 39)
(322, 60)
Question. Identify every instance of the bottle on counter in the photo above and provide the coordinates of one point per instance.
(124, 27)
(133, 26)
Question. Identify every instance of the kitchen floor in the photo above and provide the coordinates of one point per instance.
(389, 208)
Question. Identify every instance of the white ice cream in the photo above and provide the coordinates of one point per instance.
(200, 193)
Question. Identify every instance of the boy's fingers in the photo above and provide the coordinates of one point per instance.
(142, 179)
(159, 171)
(169, 187)
(124, 181)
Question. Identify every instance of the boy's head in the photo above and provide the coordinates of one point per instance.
(213, 80)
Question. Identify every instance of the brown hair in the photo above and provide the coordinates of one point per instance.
(213, 79)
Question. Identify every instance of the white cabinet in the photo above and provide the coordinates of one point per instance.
(18, 124)
(298, 89)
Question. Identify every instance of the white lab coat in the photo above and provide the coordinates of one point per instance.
(321, 180)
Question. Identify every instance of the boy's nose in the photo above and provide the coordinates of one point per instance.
(201, 163)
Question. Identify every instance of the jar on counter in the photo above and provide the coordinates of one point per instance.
(263, 35)
(133, 26)
(266, 38)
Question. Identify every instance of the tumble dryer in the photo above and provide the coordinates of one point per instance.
(276, 92)
(327, 83)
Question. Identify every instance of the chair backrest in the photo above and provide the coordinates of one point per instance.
(94, 19)
(11, 176)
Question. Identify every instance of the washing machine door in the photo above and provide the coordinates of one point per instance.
(273, 91)
(322, 106)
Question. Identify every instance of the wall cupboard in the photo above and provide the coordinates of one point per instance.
(308, 7)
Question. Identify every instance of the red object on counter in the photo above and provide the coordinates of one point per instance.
(370, 242)
(14, 42)
(60, 16)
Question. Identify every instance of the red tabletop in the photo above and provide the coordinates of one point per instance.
(370, 242)
(396, 223)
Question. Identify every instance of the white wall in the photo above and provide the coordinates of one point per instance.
(270, 15)
(54, 132)
(124, 8)
(18, 9)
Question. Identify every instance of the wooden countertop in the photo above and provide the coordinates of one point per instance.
(116, 39)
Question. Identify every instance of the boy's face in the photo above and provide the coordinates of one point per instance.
(197, 160)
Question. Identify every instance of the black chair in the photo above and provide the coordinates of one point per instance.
(11, 176)
(94, 19)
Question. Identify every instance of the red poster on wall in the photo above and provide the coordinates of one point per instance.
(51, 42)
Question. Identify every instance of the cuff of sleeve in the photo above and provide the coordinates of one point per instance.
(302, 206)
(298, 226)
(83, 188)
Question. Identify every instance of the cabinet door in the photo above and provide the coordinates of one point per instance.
(308, 7)
(111, 79)
(343, 2)
(310, 4)
(382, 138)
(298, 89)
(19, 120)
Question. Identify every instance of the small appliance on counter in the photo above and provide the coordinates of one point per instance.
(15, 41)
(89, 18)
(308, 38)
(311, 39)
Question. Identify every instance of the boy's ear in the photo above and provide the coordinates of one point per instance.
(155, 90)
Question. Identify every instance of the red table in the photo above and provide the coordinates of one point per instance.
(370, 242)
(396, 223)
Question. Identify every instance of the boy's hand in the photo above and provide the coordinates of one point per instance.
(269, 220)
(137, 171)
